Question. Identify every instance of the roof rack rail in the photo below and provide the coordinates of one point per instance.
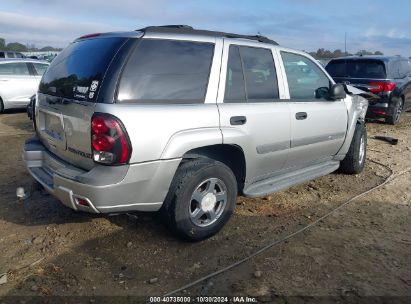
(171, 26)
(186, 29)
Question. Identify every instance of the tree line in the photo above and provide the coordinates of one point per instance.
(327, 54)
(19, 47)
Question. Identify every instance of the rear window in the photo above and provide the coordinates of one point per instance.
(77, 72)
(167, 71)
(357, 68)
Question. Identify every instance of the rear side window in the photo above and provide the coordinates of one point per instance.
(14, 68)
(10, 55)
(254, 67)
(2, 55)
(76, 73)
(259, 72)
(363, 68)
(234, 86)
(167, 71)
(404, 69)
(40, 68)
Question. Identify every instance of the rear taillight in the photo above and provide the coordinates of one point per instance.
(379, 87)
(109, 141)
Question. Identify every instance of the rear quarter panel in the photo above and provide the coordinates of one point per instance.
(166, 131)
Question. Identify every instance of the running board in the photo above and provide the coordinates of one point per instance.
(284, 181)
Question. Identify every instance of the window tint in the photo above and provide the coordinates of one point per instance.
(10, 55)
(404, 69)
(305, 79)
(234, 86)
(78, 70)
(337, 68)
(259, 72)
(362, 68)
(2, 55)
(40, 68)
(167, 71)
(366, 69)
(14, 68)
(254, 67)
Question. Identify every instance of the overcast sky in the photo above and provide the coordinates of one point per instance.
(306, 24)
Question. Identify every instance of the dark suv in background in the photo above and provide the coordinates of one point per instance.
(388, 78)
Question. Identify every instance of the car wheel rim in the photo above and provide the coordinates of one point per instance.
(399, 110)
(362, 150)
(208, 202)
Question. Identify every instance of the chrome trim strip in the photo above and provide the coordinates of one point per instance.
(274, 147)
(316, 139)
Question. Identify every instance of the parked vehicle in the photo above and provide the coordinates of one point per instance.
(30, 107)
(389, 78)
(183, 120)
(11, 54)
(19, 80)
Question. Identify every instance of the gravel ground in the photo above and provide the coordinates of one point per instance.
(360, 252)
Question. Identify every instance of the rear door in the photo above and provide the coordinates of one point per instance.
(67, 95)
(318, 126)
(17, 85)
(251, 112)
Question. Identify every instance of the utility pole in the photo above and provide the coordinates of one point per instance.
(345, 43)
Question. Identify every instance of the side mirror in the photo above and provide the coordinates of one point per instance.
(337, 92)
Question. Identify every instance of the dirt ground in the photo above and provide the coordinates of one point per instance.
(363, 251)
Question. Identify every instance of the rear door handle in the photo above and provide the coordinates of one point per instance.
(301, 115)
(238, 120)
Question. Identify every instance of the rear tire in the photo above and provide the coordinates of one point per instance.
(1, 106)
(201, 199)
(395, 117)
(354, 161)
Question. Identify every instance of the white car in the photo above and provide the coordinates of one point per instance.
(19, 80)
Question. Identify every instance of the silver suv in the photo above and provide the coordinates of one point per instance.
(182, 120)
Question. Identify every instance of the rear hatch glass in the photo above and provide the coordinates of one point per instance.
(67, 94)
(363, 68)
(78, 70)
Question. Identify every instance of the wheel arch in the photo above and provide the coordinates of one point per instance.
(230, 155)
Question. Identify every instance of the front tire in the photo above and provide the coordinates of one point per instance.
(354, 161)
(201, 199)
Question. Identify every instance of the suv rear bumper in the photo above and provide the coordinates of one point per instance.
(378, 110)
(104, 189)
